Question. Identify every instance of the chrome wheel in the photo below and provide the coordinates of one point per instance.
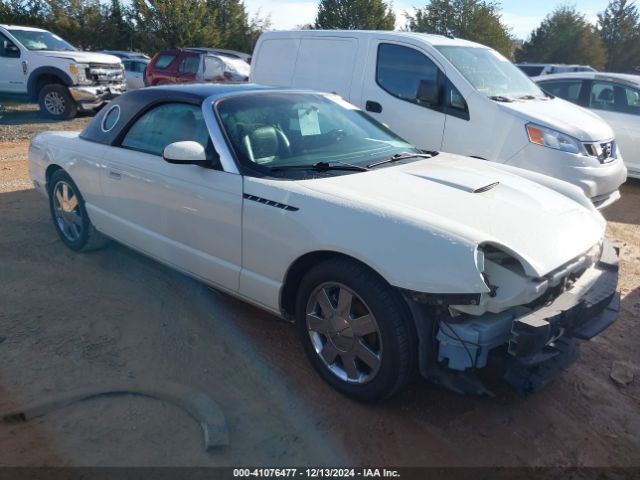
(67, 211)
(344, 333)
(55, 103)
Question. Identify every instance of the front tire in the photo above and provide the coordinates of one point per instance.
(56, 102)
(69, 215)
(356, 330)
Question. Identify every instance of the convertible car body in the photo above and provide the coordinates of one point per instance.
(389, 259)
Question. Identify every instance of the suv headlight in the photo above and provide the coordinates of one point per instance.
(79, 71)
(553, 139)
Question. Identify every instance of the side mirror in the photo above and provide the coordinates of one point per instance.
(188, 153)
(10, 49)
(428, 92)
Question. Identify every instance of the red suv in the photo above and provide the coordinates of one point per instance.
(190, 65)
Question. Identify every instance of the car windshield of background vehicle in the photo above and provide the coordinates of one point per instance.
(531, 71)
(490, 73)
(274, 130)
(34, 40)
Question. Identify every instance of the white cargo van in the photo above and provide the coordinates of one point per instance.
(452, 95)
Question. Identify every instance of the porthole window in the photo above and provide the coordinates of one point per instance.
(111, 118)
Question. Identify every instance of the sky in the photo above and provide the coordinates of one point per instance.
(521, 16)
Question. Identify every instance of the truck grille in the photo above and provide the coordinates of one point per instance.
(105, 73)
(605, 152)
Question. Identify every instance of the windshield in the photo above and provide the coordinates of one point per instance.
(490, 73)
(273, 130)
(35, 40)
(531, 71)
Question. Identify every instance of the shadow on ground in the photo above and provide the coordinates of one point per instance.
(69, 319)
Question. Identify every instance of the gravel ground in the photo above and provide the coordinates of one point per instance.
(20, 121)
(68, 320)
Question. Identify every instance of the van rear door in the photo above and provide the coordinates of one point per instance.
(274, 61)
(318, 62)
(326, 64)
(403, 88)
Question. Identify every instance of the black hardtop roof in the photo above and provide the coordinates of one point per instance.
(133, 102)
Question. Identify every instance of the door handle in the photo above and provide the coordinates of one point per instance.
(372, 106)
(115, 175)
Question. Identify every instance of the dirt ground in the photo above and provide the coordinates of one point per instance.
(70, 320)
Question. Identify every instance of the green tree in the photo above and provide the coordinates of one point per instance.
(77, 21)
(231, 20)
(237, 30)
(619, 30)
(174, 23)
(564, 36)
(24, 12)
(475, 20)
(117, 29)
(355, 15)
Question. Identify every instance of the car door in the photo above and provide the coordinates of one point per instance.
(619, 105)
(188, 68)
(390, 93)
(185, 215)
(213, 69)
(13, 74)
(134, 72)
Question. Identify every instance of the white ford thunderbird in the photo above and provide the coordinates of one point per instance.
(390, 260)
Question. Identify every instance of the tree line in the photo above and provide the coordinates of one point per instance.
(564, 36)
(142, 25)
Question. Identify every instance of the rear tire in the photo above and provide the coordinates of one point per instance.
(356, 330)
(69, 215)
(56, 102)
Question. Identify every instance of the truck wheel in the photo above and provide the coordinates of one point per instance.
(70, 216)
(56, 102)
(356, 330)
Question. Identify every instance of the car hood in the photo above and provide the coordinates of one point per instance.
(563, 116)
(472, 200)
(83, 57)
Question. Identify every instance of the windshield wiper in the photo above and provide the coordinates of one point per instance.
(501, 98)
(322, 167)
(400, 156)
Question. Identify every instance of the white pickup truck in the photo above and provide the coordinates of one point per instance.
(40, 66)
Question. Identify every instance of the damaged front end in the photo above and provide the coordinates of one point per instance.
(540, 321)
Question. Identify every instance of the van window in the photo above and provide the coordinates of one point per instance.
(400, 70)
(455, 104)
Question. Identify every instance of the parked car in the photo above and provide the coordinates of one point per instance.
(126, 54)
(134, 72)
(193, 65)
(223, 51)
(389, 259)
(449, 94)
(40, 66)
(537, 69)
(613, 96)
